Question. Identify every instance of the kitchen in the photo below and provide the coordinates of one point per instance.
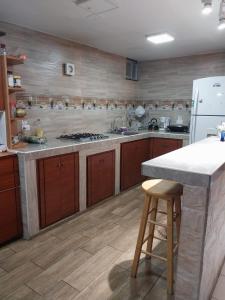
(78, 119)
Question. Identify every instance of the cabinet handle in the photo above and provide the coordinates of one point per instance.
(61, 165)
(58, 165)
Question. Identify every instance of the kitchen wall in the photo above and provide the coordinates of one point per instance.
(98, 74)
(171, 79)
(164, 87)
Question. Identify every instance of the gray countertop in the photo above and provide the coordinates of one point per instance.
(193, 164)
(55, 144)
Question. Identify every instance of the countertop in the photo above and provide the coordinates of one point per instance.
(115, 138)
(193, 164)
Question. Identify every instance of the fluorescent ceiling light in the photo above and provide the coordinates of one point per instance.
(221, 25)
(160, 38)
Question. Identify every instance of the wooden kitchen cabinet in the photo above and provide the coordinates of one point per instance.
(100, 176)
(160, 146)
(10, 209)
(132, 156)
(58, 186)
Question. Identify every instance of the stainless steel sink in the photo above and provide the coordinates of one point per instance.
(130, 132)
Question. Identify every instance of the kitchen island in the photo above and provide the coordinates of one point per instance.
(200, 167)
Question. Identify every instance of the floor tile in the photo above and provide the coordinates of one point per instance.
(92, 268)
(17, 277)
(48, 279)
(219, 292)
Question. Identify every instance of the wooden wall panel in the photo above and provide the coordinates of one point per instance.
(171, 79)
(98, 74)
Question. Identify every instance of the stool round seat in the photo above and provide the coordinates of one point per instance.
(160, 188)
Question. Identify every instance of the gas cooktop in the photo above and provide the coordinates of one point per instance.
(83, 137)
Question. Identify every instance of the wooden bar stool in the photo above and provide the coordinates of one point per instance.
(155, 190)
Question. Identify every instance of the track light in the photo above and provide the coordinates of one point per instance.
(207, 7)
(221, 25)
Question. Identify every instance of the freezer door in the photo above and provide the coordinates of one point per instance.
(209, 96)
(203, 125)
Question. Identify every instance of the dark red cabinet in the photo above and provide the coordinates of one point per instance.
(10, 209)
(160, 146)
(100, 176)
(58, 182)
(132, 156)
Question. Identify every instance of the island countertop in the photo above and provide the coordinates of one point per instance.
(193, 164)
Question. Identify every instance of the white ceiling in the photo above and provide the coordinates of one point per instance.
(120, 26)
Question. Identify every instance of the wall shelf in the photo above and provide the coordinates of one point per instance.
(15, 90)
(14, 60)
(5, 92)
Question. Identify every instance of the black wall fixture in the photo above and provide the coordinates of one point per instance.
(2, 33)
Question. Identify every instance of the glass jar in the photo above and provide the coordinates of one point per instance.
(17, 81)
(2, 49)
(10, 79)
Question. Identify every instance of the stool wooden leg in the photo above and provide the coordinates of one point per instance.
(170, 247)
(154, 206)
(178, 213)
(141, 235)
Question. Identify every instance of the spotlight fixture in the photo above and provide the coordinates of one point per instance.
(2, 33)
(221, 25)
(207, 7)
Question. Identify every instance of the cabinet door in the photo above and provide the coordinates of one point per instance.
(162, 146)
(132, 156)
(10, 215)
(69, 183)
(100, 177)
(49, 190)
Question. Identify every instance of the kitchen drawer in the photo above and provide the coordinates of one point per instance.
(6, 166)
(9, 173)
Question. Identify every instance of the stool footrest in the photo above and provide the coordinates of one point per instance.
(157, 223)
(155, 237)
(154, 255)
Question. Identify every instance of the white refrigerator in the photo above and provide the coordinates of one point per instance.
(208, 107)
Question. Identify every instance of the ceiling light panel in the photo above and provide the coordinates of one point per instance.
(207, 7)
(160, 38)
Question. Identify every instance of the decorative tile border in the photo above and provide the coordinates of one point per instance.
(66, 102)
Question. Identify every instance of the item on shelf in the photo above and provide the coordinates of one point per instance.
(39, 132)
(13, 107)
(10, 79)
(15, 139)
(2, 49)
(33, 139)
(17, 81)
(23, 56)
(20, 112)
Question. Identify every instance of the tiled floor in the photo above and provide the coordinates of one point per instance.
(219, 292)
(87, 257)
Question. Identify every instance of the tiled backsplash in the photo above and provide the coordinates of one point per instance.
(63, 114)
